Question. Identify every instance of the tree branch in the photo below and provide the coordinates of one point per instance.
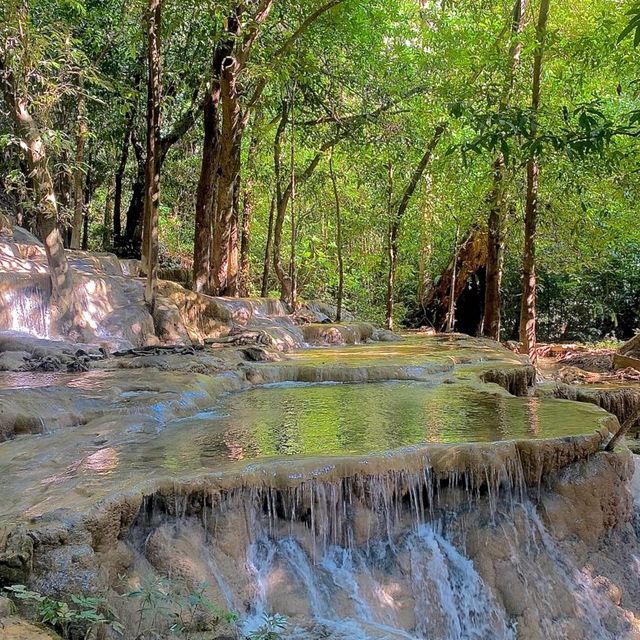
(262, 13)
(286, 48)
(181, 125)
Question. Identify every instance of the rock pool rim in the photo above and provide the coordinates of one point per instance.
(519, 463)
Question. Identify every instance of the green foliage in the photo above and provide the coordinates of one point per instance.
(84, 613)
(273, 625)
(634, 25)
(382, 75)
(164, 604)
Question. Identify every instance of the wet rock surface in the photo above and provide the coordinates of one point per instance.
(14, 628)
(141, 468)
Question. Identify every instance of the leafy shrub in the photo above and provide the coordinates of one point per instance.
(84, 613)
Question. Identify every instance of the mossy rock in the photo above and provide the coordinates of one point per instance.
(15, 628)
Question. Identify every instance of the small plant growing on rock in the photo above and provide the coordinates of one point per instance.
(84, 613)
(163, 603)
(273, 625)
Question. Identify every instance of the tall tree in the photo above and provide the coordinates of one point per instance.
(397, 213)
(529, 283)
(268, 249)
(152, 172)
(336, 197)
(205, 193)
(495, 222)
(247, 217)
(232, 113)
(82, 131)
(32, 144)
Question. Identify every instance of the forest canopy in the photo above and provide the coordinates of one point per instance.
(383, 153)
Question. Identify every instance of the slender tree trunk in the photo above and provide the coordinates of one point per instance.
(528, 306)
(224, 259)
(135, 212)
(205, 194)
(495, 255)
(85, 227)
(336, 197)
(117, 193)
(495, 222)
(391, 251)
(395, 219)
(232, 249)
(451, 314)
(247, 215)
(27, 130)
(152, 173)
(282, 199)
(294, 226)
(426, 239)
(107, 239)
(268, 249)
(82, 130)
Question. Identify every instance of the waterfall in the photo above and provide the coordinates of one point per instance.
(387, 555)
(29, 310)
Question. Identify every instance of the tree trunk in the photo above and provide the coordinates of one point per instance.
(107, 240)
(117, 193)
(623, 430)
(426, 243)
(495, 255)
(85, 227)
(336, 197)
(130, 243)
(268, 249)
(152, 174)
(495, 222)
(391, 252)
(205, 194)
(82, 131)
(282, 200)
(64, 307)
(528, 306)
(224, 265)
(294, 228)
(451, 314)
(245, 243)
(396, 218)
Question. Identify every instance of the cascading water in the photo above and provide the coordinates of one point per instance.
(347, 600)
(29, 311)
(384, 556)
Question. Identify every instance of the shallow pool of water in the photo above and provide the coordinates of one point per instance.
(343, 419)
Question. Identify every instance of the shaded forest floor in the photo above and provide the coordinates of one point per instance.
(577, 363)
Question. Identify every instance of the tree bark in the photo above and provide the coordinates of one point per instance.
(107, 238)
(117, 193)
(82, 130)
(223, 266)
(247, 215)
(451, 314)
(268, 249)
(391, 251)
(395, 219)
(495, 222)
(282, 200)
(152, 173)
(528, 305)
(336, 198)
(131, 241)
(426, 243)
(205, 194)
(495, 255)
(294, 226)
(64, 307)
